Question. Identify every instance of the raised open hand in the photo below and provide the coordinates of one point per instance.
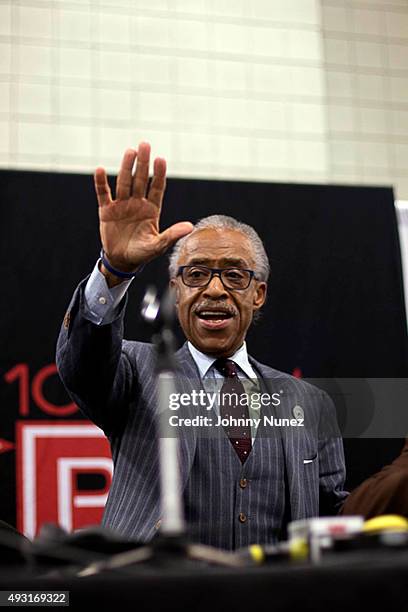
(129, 225)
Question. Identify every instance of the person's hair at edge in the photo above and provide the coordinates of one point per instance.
(224, 222)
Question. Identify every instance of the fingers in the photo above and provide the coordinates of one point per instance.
(158, 184)
(124, 180)
(174, 233)
(134, 184)
(141, 177)
(103, 192)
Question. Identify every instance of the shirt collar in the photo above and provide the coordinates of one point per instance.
(204, 362)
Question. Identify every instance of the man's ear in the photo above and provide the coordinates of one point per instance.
(175, 286)
(260, 295)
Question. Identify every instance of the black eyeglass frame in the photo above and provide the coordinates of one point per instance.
(218, 272)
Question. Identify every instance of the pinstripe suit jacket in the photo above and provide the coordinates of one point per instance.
(113, 381)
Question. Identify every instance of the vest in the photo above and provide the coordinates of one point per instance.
(231, 505)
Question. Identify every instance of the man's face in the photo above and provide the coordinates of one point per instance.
(215, 319)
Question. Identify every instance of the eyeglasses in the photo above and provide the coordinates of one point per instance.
(201, 276)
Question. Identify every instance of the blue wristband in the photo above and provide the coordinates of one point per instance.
(118, 273)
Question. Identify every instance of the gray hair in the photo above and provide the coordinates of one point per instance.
(223, 222)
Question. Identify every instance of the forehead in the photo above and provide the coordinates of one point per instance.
(213, 245)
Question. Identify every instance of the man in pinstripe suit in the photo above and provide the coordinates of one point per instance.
(233, 496)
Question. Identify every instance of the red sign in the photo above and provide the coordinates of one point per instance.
(50, 457)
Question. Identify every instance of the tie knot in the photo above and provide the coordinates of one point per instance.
(226, 367)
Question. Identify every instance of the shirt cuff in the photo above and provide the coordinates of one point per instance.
(101, 302)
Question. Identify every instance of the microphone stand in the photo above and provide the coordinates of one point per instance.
(161, 315)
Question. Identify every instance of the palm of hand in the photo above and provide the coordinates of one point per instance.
(130, 230)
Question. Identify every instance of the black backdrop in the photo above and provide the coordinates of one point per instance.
(335, 305)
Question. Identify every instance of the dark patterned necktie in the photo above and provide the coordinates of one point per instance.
(239, 436)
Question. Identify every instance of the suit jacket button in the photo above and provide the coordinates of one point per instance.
(243, 483)
(242, 517)
(158, 524)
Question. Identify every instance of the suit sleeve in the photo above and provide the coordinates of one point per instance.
(332, 469)
(95, 370)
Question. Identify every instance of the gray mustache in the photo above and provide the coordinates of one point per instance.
(215, 305)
